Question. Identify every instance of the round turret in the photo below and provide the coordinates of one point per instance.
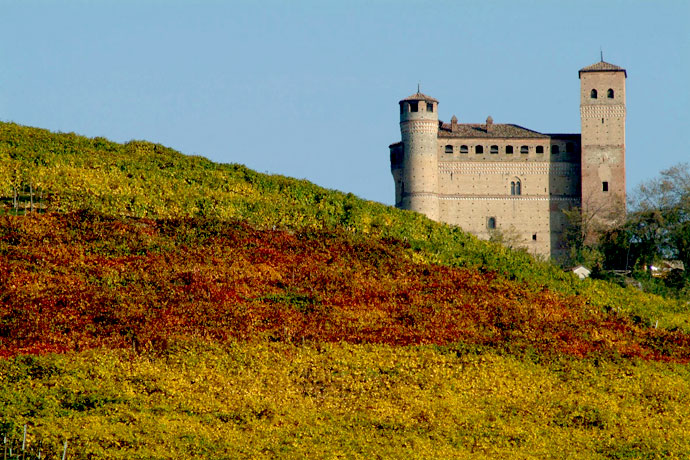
(418, 183)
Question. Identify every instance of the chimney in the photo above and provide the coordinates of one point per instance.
(454, 123)
(489, 124)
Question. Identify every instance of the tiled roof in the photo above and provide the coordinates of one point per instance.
(419, 97)
(471, 130)
(602, 66)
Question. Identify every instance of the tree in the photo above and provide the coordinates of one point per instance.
(662, 206)
(657, 228)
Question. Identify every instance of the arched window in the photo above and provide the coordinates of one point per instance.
(524, 149)
(540, 149)
(509, 149)
(464, 149)
(609, 93)
(516, 187)
(479, 149)
(494, 149)
(555, 149)
(491, 223)
(593, 94)
(449, 149)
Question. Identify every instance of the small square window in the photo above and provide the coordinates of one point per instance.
(534, 237)
(429, 107)
(509, 149)
(540, 149)
(604, 186)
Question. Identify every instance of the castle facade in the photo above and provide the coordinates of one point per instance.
(503, 179)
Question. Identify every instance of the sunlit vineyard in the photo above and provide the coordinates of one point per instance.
(154, 305)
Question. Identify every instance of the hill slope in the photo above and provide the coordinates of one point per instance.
(68, 172)
(163, 306)
(76, 281)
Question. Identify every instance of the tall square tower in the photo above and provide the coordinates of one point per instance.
(602, 114)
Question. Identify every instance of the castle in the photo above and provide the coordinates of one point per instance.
(491, 178)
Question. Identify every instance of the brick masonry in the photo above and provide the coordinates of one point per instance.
(489, 178)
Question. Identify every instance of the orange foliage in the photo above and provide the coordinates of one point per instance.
(75, 281)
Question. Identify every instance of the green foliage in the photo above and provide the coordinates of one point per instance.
(141, 179)
(656, 229)
(207, 311)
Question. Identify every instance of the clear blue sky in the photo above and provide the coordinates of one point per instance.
(310, 88)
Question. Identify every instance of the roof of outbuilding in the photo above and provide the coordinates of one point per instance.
(602, 66)
(419, 97)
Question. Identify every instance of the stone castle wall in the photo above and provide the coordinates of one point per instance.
(474, 188)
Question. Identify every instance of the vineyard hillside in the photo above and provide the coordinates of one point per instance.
(161, 306)
(67, 172)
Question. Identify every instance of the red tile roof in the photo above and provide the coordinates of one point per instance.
(419, 97)
(471, 130)
(602, 66)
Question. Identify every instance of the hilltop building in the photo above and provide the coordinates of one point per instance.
(490, 177)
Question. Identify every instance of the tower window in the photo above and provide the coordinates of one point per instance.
(534, 237)
(464, 149)
(414, 106)
(605, 186)
(449, 149)
(593, 94)
(491, 223)
(609, 93)
(540, 149)
(570, 147)
(555, 149)
(524, 149)
(429, 107)
(494, 149)
(509, 149)
(479, 149)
